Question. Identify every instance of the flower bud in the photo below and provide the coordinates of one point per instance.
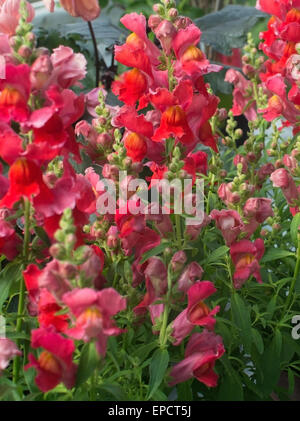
(24, 51)
(166, 32)
(173, 13)
(178, 261)
(41, 72)
(104, 140)
(69, 271)
(57, 251)
(154, 21)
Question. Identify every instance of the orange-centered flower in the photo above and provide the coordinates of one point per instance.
(198, 311)
(49, 363)
(175, 116)
(192, 53)
(136, 146)
(91, 315)
(12, 97)
(275, 104)
(135, 41)
(293, 16)
(245, 260)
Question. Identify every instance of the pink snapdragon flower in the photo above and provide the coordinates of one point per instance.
(189, 276)
(93, 311)
(229, 222)
(8, 350)
(200, 356)
(283, 179)
(240, 97)
(10, 15)
(258, 208)
(68, 67)
(86, 9)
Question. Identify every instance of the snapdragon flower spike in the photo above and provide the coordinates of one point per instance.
(246, 256)
(184, 115)
(202, 351)
(55, 363)
(93, 311)
(280, 46)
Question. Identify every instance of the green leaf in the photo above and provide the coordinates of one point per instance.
(271, 308)
(158, 366)
(231, 387)
(229, 390)
(276, 254)
(291, 379)
(41, 233)
(258, 341)
(115, 390)
(8, 276)
(217, 254)
(143, 351)
(184, 392)
(88, 362)
(271, 364)
(154, 252)
(241, 317)
(105, 31)
(228, 28)
(294, 229)
(128, 271)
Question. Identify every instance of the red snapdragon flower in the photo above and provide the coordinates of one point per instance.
(14, 93)
(130, 87)
(55, 364)
(246, 256)
(202, 351)
(26, 180)
(197, 312)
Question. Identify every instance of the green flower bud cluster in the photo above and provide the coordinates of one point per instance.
(24, 42)
(64, 250)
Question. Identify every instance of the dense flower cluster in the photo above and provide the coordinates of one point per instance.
(90, 275)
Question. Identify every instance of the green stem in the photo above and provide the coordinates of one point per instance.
(178, 230)
(296, 273)
(163, 332)
(21, 304)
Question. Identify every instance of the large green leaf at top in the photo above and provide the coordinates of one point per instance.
(106, 32)
(228, 28)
